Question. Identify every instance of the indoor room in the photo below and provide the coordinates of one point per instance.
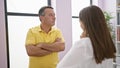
(17, 16)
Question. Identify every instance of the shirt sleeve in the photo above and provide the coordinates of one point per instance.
(30, 38)
(74, 58)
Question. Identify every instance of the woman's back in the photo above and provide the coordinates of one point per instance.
(81, 56)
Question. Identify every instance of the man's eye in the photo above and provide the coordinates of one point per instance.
(51, 15)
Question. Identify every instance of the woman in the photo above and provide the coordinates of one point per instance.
(95, 49)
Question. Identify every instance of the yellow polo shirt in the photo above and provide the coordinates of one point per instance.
(36, 35)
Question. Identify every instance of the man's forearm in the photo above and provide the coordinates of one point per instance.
(43, 52)
(54, 47)
(36, 51)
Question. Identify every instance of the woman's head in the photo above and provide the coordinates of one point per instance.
(94, 23)
(93, 19)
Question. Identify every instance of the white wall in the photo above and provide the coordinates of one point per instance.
(64, 22)
(3, 52)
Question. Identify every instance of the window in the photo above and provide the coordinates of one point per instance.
(77, 5)
(18, 27)
(21, 15)
(25, 6)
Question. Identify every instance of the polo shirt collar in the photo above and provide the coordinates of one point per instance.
(52, 29)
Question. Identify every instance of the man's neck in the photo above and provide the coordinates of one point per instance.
(45, 28)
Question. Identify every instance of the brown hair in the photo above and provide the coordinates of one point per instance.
(95, 24)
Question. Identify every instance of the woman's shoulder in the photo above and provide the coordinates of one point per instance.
(83, 41)
(83, 44)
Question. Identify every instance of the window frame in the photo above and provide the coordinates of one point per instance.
(6, 25)
(77, 17)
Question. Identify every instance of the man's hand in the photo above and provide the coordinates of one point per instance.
(83, 35)
(39, 45)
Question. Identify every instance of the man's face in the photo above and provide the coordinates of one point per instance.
(49, 17)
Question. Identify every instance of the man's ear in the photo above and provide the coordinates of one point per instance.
(41, 18)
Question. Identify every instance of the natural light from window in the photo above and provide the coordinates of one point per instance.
(25, 6)
(77, 5)
(18, 27)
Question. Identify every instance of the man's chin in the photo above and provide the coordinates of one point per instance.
(53, 24)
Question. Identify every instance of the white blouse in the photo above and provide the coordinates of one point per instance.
(81, 56)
